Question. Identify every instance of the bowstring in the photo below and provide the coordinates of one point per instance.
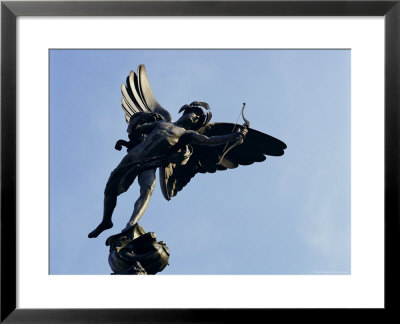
(234, 126)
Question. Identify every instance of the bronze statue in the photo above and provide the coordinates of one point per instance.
(178, 149)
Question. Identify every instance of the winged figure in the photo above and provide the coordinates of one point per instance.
(179, 149)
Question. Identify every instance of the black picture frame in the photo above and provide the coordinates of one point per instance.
(10, 10)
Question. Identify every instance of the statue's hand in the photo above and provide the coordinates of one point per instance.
(242, 132)
(157, 117)
(118, 145)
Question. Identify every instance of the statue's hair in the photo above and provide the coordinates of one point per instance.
(196, 107)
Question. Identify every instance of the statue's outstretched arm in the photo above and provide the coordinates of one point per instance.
(199, 139)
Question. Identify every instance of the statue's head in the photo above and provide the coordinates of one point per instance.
(197, 114)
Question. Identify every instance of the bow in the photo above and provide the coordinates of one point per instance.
(246, 125)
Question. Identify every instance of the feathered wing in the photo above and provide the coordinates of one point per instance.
(205, 159)
(137, 96)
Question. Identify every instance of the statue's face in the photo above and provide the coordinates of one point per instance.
(194, 118)
(191, 119)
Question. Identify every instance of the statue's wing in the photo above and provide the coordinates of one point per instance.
(204, 159)
(137, 96)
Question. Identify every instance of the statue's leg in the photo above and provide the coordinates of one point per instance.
(110, 201)
(147, 181)
(111, 193)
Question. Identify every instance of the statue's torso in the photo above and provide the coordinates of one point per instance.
(160, 141)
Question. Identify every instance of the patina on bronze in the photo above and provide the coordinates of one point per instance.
(179, 149)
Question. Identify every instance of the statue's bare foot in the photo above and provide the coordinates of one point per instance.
(102, 227)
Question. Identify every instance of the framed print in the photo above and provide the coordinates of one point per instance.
(327, 74)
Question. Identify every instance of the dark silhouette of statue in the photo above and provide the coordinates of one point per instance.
(179, 149)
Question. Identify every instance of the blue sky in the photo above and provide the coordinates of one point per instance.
(286, 215)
